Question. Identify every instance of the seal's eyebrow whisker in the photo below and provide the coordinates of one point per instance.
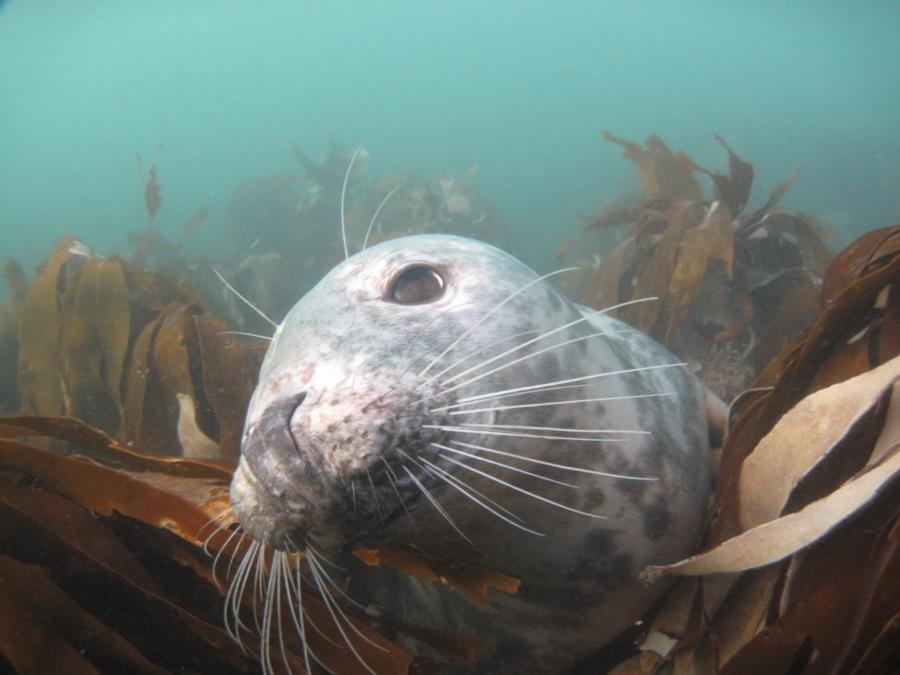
(343, 201)
(554, 465)
(548, 437)
(246, 301)
(522, 490)
(484, 317)
(440, 509)
(479, 458)
(377, 212)
(466, 490)
(579, 401)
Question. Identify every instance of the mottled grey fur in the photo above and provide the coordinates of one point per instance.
(339, 393)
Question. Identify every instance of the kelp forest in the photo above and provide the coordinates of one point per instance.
(124, 381)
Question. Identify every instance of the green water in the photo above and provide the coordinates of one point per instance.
(522, 89)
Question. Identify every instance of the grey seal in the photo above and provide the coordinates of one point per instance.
(434, 393)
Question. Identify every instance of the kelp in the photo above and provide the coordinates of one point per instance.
(732, 287)
(115, 344)
(97, 519)
(10, 316)
(799, 566)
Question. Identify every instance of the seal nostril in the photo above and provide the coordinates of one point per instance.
(274, 426)
(296, 401)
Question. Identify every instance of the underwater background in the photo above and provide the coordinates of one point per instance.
(520, 90)
(166, 166)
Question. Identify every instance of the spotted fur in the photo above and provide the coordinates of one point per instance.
(358, 395)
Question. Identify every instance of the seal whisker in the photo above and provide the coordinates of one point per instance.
(343, 201)
(392, 479)
(506, 365)
(235, 593)
(523, 434)
(552, 331)
(501, 464)
(353, 494)
(565, 467)
(337, 587)
(464, 489)
(231, 536)
(337, 614)
(549, 403)
(411, 362)
(245, 334)
(323, 558)
(227, 522)
(435, 503)
(484, 317)
(375, 496)
(301, 626)
(375, 215)
(485, 348)
(474, 425)
(237, 547)
(269, 606)
(581, 378)
(521, 489)
(278, 573)
(308, 619)
(246, 301)
(542, 392)
(440, 473)
(218, 518)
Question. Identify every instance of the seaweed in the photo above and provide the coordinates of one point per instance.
(114, 344)
(731, 286)
(99, 515)
(799, 565)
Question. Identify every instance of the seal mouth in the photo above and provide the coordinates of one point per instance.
(332, 468)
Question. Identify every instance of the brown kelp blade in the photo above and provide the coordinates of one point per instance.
(799, 570)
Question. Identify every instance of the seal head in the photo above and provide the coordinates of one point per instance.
(433, 392)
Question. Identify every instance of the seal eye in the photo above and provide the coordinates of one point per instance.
(417, 285)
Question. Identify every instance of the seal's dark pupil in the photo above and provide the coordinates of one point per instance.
(417, 285)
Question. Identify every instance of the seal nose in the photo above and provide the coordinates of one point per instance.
(273, 428)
